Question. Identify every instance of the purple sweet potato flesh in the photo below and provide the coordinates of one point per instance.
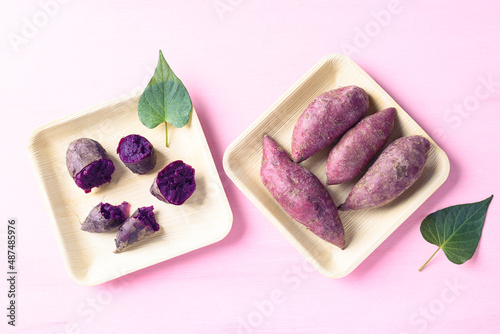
(300, 193)
(88, 164)
(95, 174)
(395, 170)
(137, 153)
(358, 146)
(174, 184)
(105, 217)
(141, 224)
(326, 118)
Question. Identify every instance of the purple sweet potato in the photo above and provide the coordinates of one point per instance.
(88, 164)
(174, 184)
(327, 118)
(105, 217)
(137, 153)
(395, 170)
(300, 193)
(141, 224)
(358, 146)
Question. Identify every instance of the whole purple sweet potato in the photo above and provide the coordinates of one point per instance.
(300, 193)
(174, 184)
(358, 146)
(88, 164)
(105, 217)
(327, 117)
(137, 153)
(395, 170)
(141, 224)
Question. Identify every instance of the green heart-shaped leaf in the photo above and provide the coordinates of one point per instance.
(165, 99)
(456, 230)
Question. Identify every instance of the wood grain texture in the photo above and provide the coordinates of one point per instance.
(202, 220)
(364, 229)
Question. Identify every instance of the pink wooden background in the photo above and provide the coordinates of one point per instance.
(440, 60)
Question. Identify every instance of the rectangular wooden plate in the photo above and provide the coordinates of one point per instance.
(365, 229)
(202, 220)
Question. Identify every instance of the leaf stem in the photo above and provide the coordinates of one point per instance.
(166, 135)
(437, 250)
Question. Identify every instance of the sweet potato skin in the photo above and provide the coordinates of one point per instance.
(88, 164)
(395, 170)
(105, 217)
(300, 193)
(141, 224)
(327, 117)
(137, 153)
(175, 183)
(358, 146)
